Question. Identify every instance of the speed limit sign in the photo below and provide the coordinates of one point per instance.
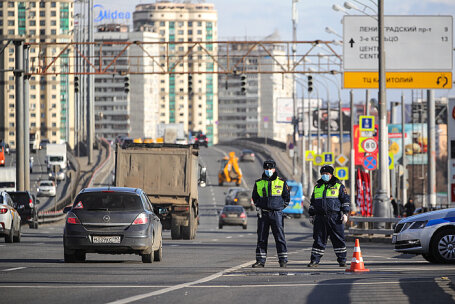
(370, 145)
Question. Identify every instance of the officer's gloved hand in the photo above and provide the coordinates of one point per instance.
(344, 219)
(312, 220)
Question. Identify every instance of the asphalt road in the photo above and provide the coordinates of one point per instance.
(216, 266)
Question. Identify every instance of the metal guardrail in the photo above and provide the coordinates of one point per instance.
(366, 225)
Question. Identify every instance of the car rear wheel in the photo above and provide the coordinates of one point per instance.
(10, 237)
(147, 257)
(244, 227)
(443, 247)
(220, 226)
(158, 254)
(17, 238)
(76, 257)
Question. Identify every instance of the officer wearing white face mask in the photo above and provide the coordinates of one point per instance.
(270, 196)
(329, 209)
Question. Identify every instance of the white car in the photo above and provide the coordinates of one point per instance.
(59, 174)
(10, 220)
(47, 188)
(431, 234)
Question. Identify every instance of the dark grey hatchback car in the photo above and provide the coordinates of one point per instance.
(112, 221)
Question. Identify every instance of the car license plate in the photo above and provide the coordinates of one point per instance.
(394, 239)
(232, 215)
(106, 239)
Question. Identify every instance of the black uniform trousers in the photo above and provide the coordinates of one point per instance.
(328, 226)
(274, 220)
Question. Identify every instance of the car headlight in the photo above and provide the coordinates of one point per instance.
(418, 225)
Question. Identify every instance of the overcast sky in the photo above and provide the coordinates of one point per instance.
(259, 18)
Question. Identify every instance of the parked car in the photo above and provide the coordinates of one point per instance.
(31, 161)
(233, 216)
(431, 234)
(230, 194)
(202, 140)
(25, 204)
(242, 198)
(47, 188)
(111, 220)
(10, 220)
(247, 155)
(43, 143)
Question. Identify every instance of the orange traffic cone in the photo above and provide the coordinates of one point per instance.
(357, 260)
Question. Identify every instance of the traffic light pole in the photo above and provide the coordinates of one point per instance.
(26, 137)
(352, 155)
(90, 95)
(20, 126)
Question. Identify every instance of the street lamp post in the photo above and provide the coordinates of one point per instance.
(381, 205)
(294, 89)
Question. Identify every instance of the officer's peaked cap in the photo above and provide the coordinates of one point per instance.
(269, 164)
(326, 169)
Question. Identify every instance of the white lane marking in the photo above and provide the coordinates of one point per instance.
(180, 286)
(215, 240)
(12, 269)
(229, 237)
(175, 245)
(2, 245)
(215, 286)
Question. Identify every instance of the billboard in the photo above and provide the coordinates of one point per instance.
(415, 143)
(285, 110)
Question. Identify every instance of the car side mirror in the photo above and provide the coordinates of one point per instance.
(67, 209)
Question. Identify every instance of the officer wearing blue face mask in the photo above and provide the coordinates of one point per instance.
(270, 196)
(328, 211)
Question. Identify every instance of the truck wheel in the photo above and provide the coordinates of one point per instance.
(147, 257)
(188, 231)
(220, 183)
(10, 237)
(220, 226)
(176, 233)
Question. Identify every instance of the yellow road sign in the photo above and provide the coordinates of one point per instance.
(399, 80)
(309, 155)
(342, 173)
(318, 160)
(391, 161)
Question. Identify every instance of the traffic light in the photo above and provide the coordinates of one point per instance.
(126, 86)
(76, 84)
(310, 83)
(190, 83)
(243, 83)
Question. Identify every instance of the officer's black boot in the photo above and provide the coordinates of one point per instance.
(283, 264)
(257, 265)
(313, 264)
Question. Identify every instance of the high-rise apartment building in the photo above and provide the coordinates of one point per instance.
(119, 113)
(189, 98)
(254, 113)
(51, 96)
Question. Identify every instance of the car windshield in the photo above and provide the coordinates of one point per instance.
(247, 151)
(1, 199)
(113, 201)
(242, 194)
(56, 158)
(46, 184)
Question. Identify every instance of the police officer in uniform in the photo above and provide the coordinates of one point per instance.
(270, 196)
(328, 210)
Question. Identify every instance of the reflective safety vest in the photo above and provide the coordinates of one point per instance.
(277, 187)
(331, 192)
